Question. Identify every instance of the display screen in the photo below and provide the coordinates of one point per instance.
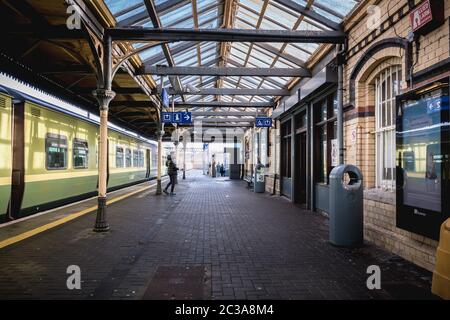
(420, 149)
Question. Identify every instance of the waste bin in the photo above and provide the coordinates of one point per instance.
(346, 206)
(260, 180)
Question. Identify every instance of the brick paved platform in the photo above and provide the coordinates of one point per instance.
(214, 240)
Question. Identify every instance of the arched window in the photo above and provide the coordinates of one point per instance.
(387, 86)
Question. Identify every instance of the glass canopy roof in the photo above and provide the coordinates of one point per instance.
(245, 14)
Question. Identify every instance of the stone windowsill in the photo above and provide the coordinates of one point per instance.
(379, 195)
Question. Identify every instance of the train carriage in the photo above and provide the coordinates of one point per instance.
(5, 152)
(50, 157)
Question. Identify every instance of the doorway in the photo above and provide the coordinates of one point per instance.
(286, 145)
(301, 176)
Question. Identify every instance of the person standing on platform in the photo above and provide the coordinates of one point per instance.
(172, 171)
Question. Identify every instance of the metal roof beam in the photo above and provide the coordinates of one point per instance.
(226, 35)
(132, 104)
(223, 114)
(223, 71)
(117, 90)
(223, 120)
(223, 104)
(232, 92)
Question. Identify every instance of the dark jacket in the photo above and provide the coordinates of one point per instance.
(171, 168)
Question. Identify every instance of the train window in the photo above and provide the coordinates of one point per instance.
(128, 158)
(119, 157)
(56, 151)
(80, 154)
(141, 158)
(135, 158)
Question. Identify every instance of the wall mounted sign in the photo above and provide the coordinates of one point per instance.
(353, 136)
(334, 153)
(427, 16)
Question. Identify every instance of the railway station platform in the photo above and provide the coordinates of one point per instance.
(215, 239)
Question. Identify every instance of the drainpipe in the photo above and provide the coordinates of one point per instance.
(340, 97)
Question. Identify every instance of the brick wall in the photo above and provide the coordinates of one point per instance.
(379, 206)
(379, 228)
(359, 122)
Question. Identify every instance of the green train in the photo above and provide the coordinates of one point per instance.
(49, 156)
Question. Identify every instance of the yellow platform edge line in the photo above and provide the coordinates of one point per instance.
(48, 226)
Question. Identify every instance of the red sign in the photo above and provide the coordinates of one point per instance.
(421, 15)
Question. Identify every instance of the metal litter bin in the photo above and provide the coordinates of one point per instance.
(260, 180)
(346, 206)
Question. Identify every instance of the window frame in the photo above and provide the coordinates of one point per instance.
(385, 131)
(286, 152)
(60, 138)
(76, 140)
(123, 156)
(327, 124)
(135, 156)
(128, 158)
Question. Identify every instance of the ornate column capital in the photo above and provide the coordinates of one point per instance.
(104, 97)
(159, 134)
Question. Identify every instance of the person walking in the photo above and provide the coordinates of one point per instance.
(172, 172)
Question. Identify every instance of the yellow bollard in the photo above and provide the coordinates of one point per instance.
(441, 274)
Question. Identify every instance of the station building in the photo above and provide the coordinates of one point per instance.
(390, 53)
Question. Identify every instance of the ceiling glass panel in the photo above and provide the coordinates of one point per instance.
(210, 15)
(339, 6)
(281, 16)
(176, 15)
(269, 25)
(116, 6)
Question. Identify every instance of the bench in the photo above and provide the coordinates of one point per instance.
(249, 180)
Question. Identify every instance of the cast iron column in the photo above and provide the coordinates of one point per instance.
(184, 159)
(103, 97)
(159, 135)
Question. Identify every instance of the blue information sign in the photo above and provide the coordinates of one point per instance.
(176, 117)
(186, 118)
(165, 97)
(166, 117)
(263, 122)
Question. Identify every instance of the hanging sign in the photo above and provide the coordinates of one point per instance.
(166, 117)
(177, 117)
(263, 122)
